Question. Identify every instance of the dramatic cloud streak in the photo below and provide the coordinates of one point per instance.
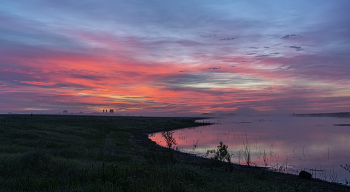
(174, 57)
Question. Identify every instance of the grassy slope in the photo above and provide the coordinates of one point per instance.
(93, 153)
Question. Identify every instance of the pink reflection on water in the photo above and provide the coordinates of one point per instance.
(284, 143)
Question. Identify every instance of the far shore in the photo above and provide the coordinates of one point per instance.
(338, 114)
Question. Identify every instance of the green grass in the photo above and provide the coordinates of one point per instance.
(95, 153)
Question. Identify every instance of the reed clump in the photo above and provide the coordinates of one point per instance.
(221, 155)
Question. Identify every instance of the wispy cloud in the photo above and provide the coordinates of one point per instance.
(176, 57)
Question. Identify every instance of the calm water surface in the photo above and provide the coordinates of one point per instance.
(285, 143)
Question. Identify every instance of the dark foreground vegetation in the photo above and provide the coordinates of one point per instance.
(96, 153)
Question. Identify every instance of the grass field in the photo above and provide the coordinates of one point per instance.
(103, 153)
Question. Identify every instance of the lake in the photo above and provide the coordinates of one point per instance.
(281, 143)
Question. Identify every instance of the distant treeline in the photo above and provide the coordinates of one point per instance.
(339, 114)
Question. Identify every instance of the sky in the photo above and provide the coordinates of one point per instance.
(174, 57)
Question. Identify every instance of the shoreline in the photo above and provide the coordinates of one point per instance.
(141, 138)
(41, 151)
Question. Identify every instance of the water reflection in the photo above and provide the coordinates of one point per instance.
(286, 144)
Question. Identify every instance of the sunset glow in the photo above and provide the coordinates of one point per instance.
(174, 57)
